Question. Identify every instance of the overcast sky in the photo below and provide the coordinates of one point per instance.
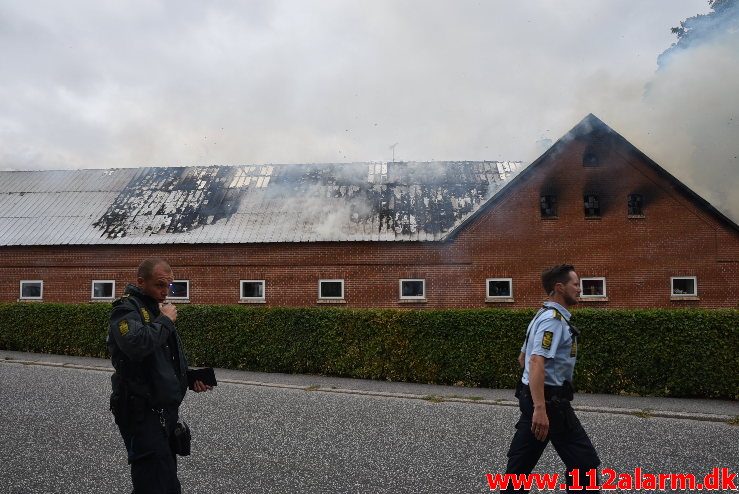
(90, 84)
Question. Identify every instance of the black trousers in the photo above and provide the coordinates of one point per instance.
(153, 464)
(565, 432)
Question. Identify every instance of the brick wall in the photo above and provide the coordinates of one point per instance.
(637, 256)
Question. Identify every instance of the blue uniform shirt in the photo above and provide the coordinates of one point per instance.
(549, 335)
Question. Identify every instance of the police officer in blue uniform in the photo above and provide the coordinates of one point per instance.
(150, 378)
(548, 358)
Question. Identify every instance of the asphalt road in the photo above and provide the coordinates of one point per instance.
(57, 436)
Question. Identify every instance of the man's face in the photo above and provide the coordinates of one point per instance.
(571, 289)
(157, 286)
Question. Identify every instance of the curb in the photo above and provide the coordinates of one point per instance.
(645, 414)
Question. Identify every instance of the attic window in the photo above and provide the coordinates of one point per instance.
(636, 202)
(589, 158)
(548, 206)
(592, 206)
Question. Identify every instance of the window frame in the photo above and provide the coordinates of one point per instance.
(20, 290)
(92, 290)
(498, 298)
(683, 295)
(640, 214)
(597, 199)
(263, 298)
(411, 297)
(583, 295)
(327, 280)
(180, 299)
(553, 206)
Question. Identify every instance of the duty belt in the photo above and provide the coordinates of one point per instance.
(550, 392)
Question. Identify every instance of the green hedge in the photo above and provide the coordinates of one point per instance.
(648, 352)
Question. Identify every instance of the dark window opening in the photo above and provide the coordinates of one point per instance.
(31, 289)
(179, 289)
(102, 289)
(252, 289)
(636, 203)
(412, 289)
(331, 289)
(593, 287)
(684, 286)
(592, 206)
(589, 158)
(499, 288)
(548, 206)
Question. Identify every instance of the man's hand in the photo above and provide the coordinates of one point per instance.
(540, 423)
(199, 387)
(521, 358)
(169, 310)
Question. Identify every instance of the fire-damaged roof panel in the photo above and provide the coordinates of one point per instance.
(407, 201)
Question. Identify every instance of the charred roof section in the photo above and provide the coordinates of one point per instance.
(407, 201)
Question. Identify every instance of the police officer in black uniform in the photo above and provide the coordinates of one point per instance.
(548, 357)
(150, 378)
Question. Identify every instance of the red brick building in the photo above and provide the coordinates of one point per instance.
(414, 235)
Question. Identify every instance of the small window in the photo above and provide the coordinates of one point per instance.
(413, 289)
(179, 290)
(499, 288)
(592, 206)
(252, 289)
(684, 286)
(103, 290)
(331, 289)
(636, 202)
(592, 287)
(548, 206)
(32, 290)
(590, 158)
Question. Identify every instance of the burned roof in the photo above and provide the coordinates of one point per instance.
(398, 201)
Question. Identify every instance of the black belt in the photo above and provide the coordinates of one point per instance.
(562, 392)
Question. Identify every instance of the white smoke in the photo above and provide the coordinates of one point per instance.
(686, 117)
(139, 83)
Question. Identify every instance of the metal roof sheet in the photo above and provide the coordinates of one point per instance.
(408, 201)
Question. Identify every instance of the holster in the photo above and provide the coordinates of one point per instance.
(128, 408)
(119, 408)
(179, 440)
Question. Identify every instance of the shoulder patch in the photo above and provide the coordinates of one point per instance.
(120, 300)
(123, 327)
(557, 315)
(145, 315)
(546, 341)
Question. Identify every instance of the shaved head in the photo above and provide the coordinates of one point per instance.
(147, 267)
